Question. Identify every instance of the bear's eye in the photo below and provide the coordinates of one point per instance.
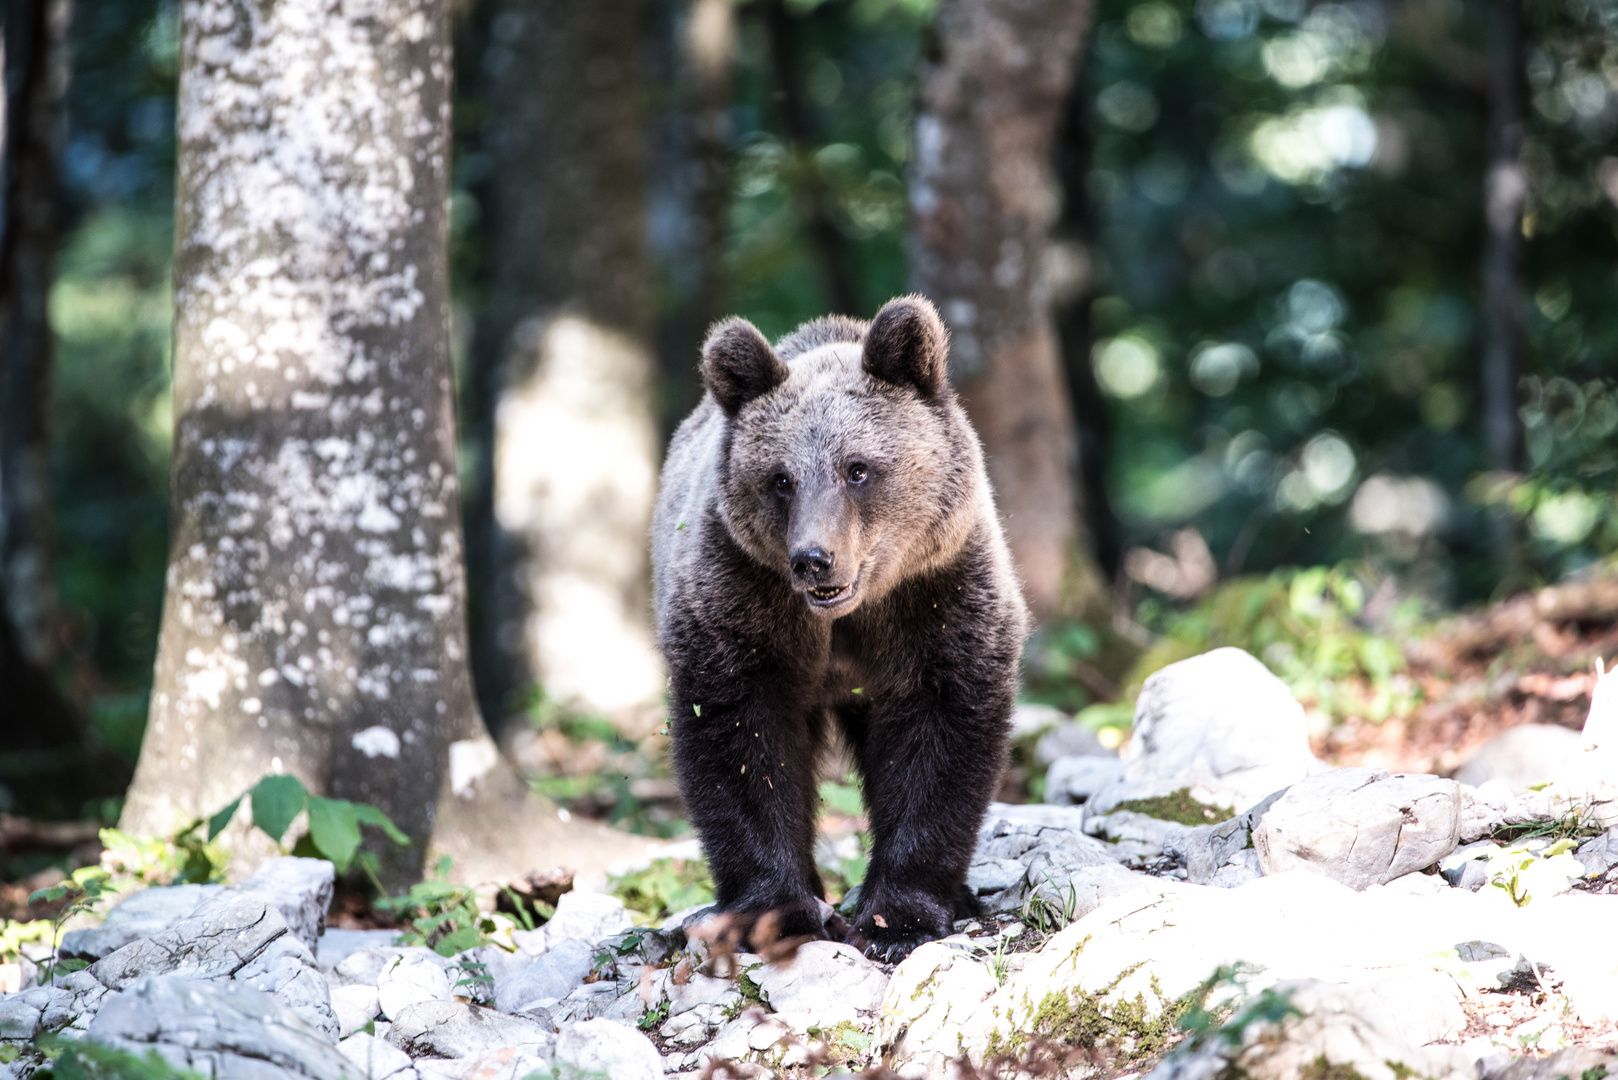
(857, 473)
(781, 483)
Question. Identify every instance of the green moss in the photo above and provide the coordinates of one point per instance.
(664, 887)
(1179, 807)
(752, 996)
(1321, 1069)
(1088, 1020)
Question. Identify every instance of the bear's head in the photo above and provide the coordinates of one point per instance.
(848, 465)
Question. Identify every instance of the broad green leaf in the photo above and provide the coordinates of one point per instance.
(370, 815)
(335, 829)
(217, 823)
(276, 801)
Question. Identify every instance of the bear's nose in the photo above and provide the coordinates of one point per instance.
(812, 563)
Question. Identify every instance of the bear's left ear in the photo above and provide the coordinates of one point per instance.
(907, 343)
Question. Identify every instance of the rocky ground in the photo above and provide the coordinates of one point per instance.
(1216, 902)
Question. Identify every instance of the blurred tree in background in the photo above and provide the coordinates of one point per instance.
(1267, 273)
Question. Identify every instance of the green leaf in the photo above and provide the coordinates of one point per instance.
(55, 892)
(276, 801)
(217, 823)
(370, 815)
(334, 826)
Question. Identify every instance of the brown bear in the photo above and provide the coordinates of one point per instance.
(826, 551)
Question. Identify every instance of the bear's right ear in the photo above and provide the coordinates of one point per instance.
(907, 343)
(738, 364)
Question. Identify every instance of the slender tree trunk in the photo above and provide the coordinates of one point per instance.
(314, 619)
(1506, 191)
(836, 260)
(691, 173)
(35, 60)
(66, 764)
(1075, 234)
(982, 198)
(565, 357)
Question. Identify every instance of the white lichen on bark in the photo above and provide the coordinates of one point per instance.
(314, 600)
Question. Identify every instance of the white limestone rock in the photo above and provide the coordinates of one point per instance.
(549, 979)
(1068, 738)
(33, 1012)
(827, 980)
(231, 935)
(410, 978)
(607, 1048)
(1599, 855)
(1022, 850)
(1360, 826)
(1074, 779)
(455, 1029)
(1223, 721)
(1521, 757)
(335, 946)
(580, 916)
(1220, 854)
(932, 994)
(140, 915)
(354, 1007)
(218, 1028)
(300, 889)
(374, 1059)
(1346, 1026)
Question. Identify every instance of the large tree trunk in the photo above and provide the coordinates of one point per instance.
(1505, 193)
(565, 364)
(35, 77)
(314, 619)
(993, 84)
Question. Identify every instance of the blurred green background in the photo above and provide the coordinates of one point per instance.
(1272, 216)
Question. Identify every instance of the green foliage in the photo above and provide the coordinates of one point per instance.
(185, 857)
(1303, 624)
(84, 891)
(849, 870)
(16, 934)
(653, 1018)
(1527, 869)
(82, 1059)
(442, 916)
(334, 824)
(610, 783)
(1178, 807)
(1051, 907)
(664, 887)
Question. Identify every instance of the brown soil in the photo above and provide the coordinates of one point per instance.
(1528, 660)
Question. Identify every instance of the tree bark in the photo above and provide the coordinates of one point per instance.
(565, 364)
(35, 79)
(1505, 193)
(994, 79)
(691, 175)
(1075, 234)
(314, 617)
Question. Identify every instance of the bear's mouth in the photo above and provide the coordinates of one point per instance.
(828, 596)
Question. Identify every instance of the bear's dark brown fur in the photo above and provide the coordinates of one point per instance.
(826, 550)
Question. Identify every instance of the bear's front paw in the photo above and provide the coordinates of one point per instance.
(889, 932)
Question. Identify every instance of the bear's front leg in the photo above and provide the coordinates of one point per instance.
(747, 773)
(930, 766)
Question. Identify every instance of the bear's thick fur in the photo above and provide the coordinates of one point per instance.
(826, 550)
